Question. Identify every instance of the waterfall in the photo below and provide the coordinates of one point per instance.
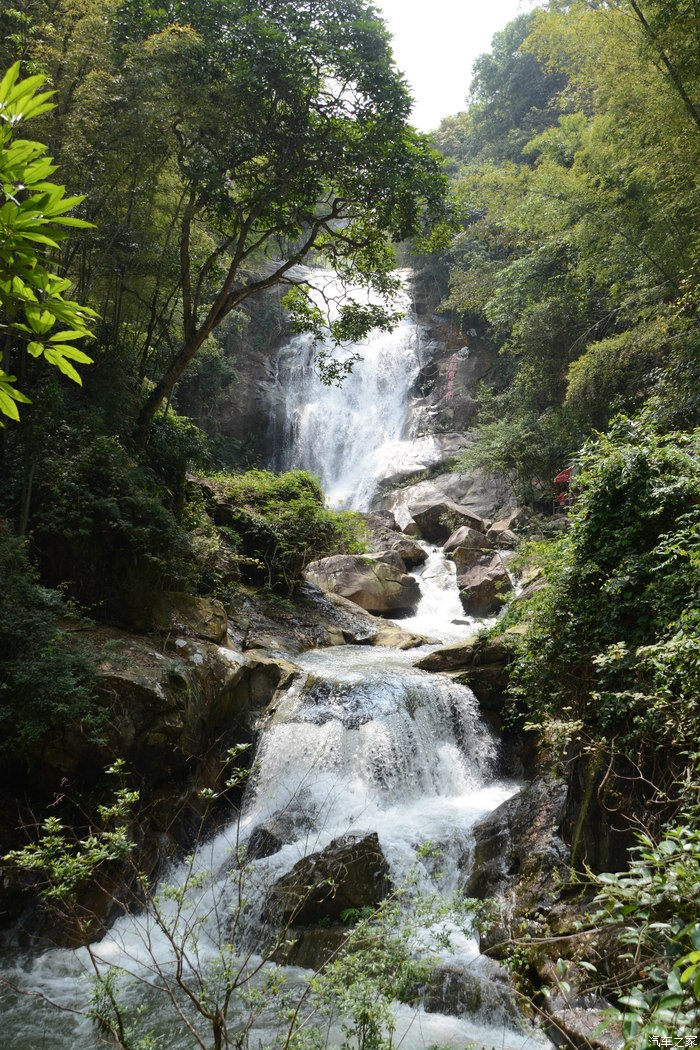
(361, 742)
(349, 436)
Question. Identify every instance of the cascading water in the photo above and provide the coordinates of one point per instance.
(353, 435)
(361, 742)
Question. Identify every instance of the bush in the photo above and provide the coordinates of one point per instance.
(102, 530)
(615, 637)
(283, 524)
(654, 906)
(46, 682)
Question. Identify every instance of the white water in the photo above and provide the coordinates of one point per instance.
(349, 436)
(362, 741)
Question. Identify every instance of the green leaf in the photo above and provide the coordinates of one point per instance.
(54, 357)
(66, 336)
(74, 354)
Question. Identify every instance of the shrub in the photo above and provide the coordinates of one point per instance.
(283, 523)
(101, 528)
(614, 637)
(46, 682)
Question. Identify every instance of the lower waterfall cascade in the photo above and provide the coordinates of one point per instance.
(362, 742)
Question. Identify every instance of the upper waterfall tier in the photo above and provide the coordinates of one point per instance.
(348, 436)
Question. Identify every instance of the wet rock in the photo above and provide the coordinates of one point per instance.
(377, 583)
(484, 587)
(171, 715)
(314, 620)
(181, 613)
(311, 949)
(482, 664)
(467, 537)
(585, 1027)
(481, 990)
(485, 496)
(518, 848)
(262, 843)
(411, 553)
(475, 651)
(350, 873)
(437, 520)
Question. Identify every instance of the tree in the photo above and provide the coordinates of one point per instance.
(35, 318)
(286, 127)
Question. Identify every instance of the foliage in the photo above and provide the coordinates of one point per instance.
(61, 864)
(102, 528)
(527, 449)
(576, 259)
(283, 523)
(614, 635)
(46, 681)
(35, 318)
(259, 133)
(656, 904)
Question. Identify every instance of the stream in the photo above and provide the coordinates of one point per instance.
(362, 742)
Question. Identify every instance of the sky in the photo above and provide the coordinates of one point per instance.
(435, 44)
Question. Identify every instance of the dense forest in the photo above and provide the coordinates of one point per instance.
(167, 175)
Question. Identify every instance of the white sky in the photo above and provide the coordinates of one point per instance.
(435, 44)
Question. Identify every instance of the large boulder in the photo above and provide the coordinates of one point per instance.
(436, 520)
(500, 537)
(480, 989)
(350, 873)
(377, 583)
(410, 552)
(483, 587)
(518, 848)
(182, 613)
(486, 496)
(466, 536)
(472, 653)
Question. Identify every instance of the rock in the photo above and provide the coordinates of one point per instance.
(583, 1026)
(466, 536)
(377, 583)
(482, 664)
(483, 587)
(418, 456)
(396, 638)
(476, 650)
(381, 528)
(281, 829)
(480, 990)
(312, 948)
(466, 558)
(262, 843)
(173, 708)
(411, 553)
(350, 873)
(502, 537)
(520, 840)
(517, 519)
(485, 496)
(437, 520)
(532, 580)
(181, 613)
(265, 676)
